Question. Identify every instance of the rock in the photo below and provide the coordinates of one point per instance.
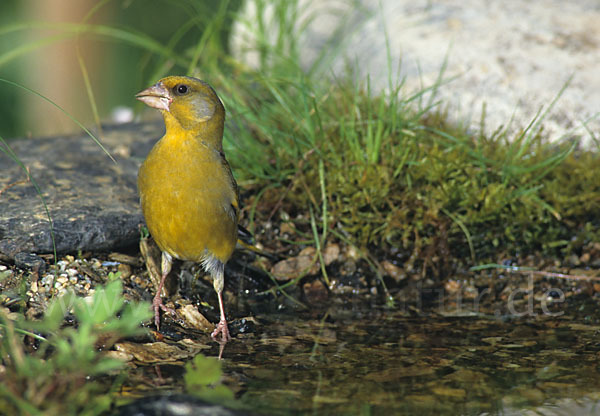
(303, 263)
(331, 253)
(155, 352)
(315, 292)
(194, 319)
(29, 261)
(512, 57)
(92, 201)
(395, 272)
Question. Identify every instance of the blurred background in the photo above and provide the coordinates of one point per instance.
(51, 46)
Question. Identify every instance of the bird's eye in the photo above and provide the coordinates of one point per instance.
(181, 89)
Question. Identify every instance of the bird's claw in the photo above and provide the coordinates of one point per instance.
(157, 305)
(222, 329)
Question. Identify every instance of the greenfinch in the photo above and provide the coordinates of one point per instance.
(188, 195)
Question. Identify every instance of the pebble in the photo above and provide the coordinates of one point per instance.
(393, 271)
(125, 270)
(293, 267)
(331, 253)
(352, 253)
(315, 292)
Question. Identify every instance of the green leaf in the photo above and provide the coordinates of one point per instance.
(217, 394)
(105, 303)
(202, 371)
(106, 365)
(54, 315)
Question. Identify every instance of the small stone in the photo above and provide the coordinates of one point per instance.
(286, 228)
(331, 253)
(125, 270)
(62, 279)
(72, 272)
(119, 355)
(574, 260)
(315, 292)
(48, 279)
(195, 319)
(393, 271)
(303, 263)
(154, 352)
(352, 253)
(125, 258)
(29, 261)
(452, 286)
(348, 268)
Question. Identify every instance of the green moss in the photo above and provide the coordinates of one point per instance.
(396, 176)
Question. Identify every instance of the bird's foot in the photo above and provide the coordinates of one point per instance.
(157, 305)
(223, 330)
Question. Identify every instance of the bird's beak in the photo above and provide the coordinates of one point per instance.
(157, 96)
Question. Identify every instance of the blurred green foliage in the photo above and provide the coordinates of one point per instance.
(119, 69)
(202, 378)
(49, 368)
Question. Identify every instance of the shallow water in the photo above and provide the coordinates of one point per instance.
(387, 363)
(366, 360)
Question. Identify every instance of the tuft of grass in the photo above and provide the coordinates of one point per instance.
(51, 369)
(389, 175)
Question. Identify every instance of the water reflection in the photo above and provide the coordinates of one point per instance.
(388, 363)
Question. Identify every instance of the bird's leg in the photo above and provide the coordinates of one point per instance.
(218, 283)
(157, 301)
(222, 325)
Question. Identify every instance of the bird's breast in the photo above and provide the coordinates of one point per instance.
(186, 195)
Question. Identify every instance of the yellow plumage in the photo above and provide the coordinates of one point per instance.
(188, 195)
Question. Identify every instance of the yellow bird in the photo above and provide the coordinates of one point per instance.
(188, 194)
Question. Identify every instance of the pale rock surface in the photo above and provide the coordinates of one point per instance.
(514, 56)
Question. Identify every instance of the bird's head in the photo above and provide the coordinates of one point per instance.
(186, 103)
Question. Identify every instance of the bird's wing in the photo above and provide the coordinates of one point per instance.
(233, 208)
